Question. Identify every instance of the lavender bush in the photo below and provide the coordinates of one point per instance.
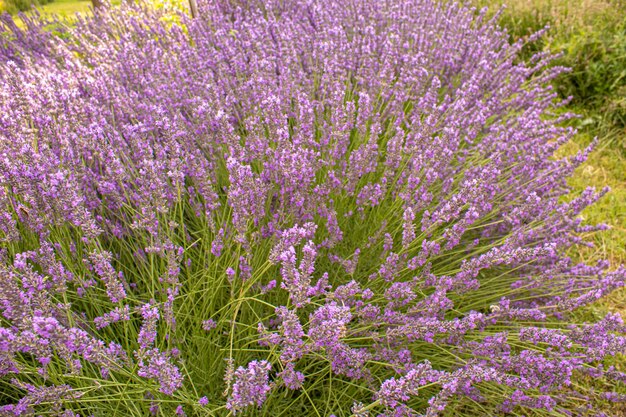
(320, 207)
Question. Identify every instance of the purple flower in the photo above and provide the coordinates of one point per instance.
(209, 324)
(148, 331)
(157, 365)
(250, 387)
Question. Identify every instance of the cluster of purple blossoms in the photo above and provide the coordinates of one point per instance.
(326, 193)
(250, 386)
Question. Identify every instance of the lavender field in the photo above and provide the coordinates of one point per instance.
(347, 208)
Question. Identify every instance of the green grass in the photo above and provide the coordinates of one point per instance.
(606, 166)
(66, 8)
(62, 8)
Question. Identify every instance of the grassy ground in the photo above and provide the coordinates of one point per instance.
(70, 8)
(605, 166)
(66, 8)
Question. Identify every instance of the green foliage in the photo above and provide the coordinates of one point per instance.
(14, 6)
(598, 76)
(592, 38)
